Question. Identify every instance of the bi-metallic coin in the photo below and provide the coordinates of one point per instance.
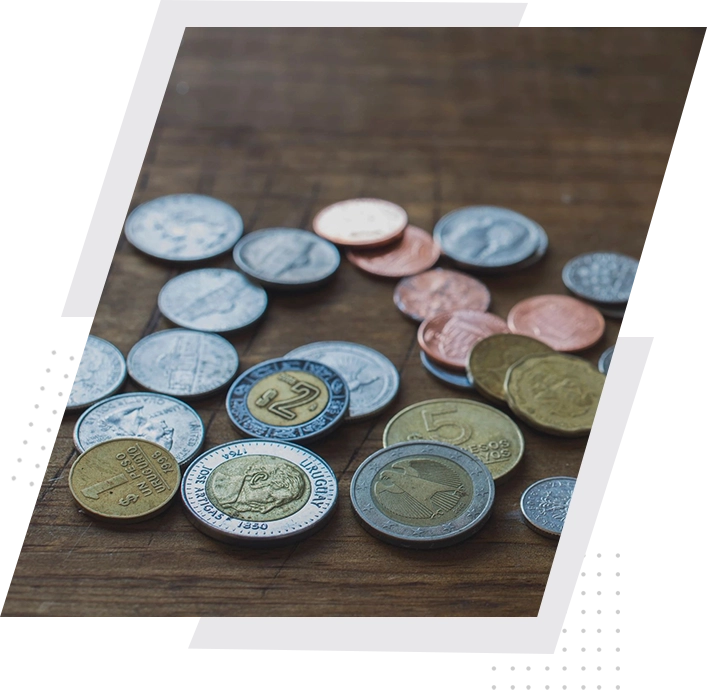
(605, 360)
(603, 277)
(449, 377)
(101, 373)
(544, 505)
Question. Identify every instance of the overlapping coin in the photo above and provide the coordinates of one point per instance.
(449, 377)
(605, 360)
(101, 373)
(601, 277)
(545, 503)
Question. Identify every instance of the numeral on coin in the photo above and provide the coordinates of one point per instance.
(96, 489)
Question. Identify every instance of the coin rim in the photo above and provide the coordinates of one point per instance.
(526, 518)
(437, 372)
(607, 354)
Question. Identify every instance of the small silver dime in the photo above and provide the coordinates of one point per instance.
(544, 504)
(217, 300)
(422, 494)
(101, 373)
(159, 418)
(605, 360)
(446, 376)
(286, 258)
(605, 277)
(184, 227)
(259, 493)
(372, 378)
(182, 363)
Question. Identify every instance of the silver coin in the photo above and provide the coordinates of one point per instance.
(166, 421)
(182, 363)
(287, 258)
(446, 376)
(605, 277)
(487, 237)
(422, 494)
(605, 360)
(259, 493)
(101, 373)
(184, 227)
(372, 378)
(217, 300)
(544, 504)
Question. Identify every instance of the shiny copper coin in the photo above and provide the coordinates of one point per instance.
(564, 323)
(440, 290)
(448, 338)
(416, 251)
(361, 223)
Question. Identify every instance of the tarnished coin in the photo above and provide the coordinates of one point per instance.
(487, 237)
(416, 251)
(286, 258)
(555, 393)
(101, 373)
(217, 300)
(605, 360)
(124, 480)
(447, 338)
(259, 493)
(491, 358)
(472, 426)
(564, 323)
(440, 290)
(605, 277)
(544, 505)
(288, 400)
(361, 222)
(422, 494)
(161, 419)
(371, 378)
(450, 377)
(185, 364)
(184, 227)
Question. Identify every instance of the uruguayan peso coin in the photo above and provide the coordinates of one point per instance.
(544, 505)
(101, 373)
(603, 277)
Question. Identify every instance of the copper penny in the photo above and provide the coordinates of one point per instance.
(416, 251)
(361, 223)
(440, 290)
(448, 337)
(564, 323)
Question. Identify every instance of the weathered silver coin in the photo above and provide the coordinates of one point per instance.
(217, 300)
(162, 419)
(544, 504)
(451, 378)
(603, 277)
(372, 379)
(287, 258)
(101, 373)
(184, 227)
(605, 360)
(422, 494)
(487, 237)
(182, 363)
(259, 493)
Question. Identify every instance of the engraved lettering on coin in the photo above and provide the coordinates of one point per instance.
(545, 503)
(605, 277)
(101, 373)
(287, 398)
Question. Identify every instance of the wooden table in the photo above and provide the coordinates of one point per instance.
(570, 127)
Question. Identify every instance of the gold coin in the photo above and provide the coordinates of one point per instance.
(472, 426)
(124, 479)
(491, 358)
(555, 393)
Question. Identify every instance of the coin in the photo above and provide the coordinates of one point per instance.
(564, 323)
(185, 364)
(101, 373)
(605, 277)
(474, 427)
(259, 493)
(440, 290)
(371, 378)
(447, 376)
(217, 300)
(161, 419)
(416, 251)
(487, 237)
(555, 393)
(447, 338)
(288, 400)
(610, 311)
(422, 494)
(544, 505)
(286, 258)
(605, 360)
(184, 227)
(491, 358)
(361, 222)
(124, 480)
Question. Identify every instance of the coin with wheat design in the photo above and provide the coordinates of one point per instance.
(544, 505)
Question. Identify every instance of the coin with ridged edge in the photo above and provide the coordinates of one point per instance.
(544, 505)
(101, 373)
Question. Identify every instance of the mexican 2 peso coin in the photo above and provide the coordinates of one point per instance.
(545, 503)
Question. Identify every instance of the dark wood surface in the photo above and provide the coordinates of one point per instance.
(570, 127)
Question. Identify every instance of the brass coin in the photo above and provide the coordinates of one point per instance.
(472, 426)
(124, 480)
(490, 359)
(555, 393)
